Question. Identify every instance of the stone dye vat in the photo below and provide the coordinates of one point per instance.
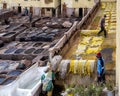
(28, 35)
(2, 78)
(37, 44)
(43, 59)
(55, 31)
(45, 46)
(19, 19)
(8, 81)
(6, 66)
(18, 51)
(7, 37)
(3, 73)
(21, 49)
(34, 19)
(42, 22)
(25, 85)
(29, 51)
(20, 29)
(5, 13)
(12, 27)
(10, 50)
(43, 33)
(24, 20)
(1, 43)
(38, 51)
(3, 66)
(14, 73)
(8, 72)
(9, 34)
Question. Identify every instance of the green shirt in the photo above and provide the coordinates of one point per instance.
(46, 79)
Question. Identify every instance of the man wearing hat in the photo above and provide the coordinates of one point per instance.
(102, 26)
(100, 68)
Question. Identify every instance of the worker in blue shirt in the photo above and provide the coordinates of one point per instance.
(26, 11)
(100, 68)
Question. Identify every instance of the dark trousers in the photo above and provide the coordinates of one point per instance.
(103, 29)
(101, 78)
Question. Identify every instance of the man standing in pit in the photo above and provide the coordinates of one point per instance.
(30, 17)
(100, 68)
(102, 26)
(26, 11)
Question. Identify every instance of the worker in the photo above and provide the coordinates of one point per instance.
(26, 11)
(6, 21)
(102, 26)
(100, 68)
(22, 65)
(14, 11)
(64, 9)
(47, 82)
(30, 17)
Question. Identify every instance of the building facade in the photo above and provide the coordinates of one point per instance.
(38, 7)
(77, 8)
(51, 8)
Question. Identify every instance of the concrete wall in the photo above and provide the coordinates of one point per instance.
(72, 4)
(118, 47)
(83, 3)
(24, 3)
(108, 0)
(79, 3)
(33, 3)
(48, 13)
(56, 3)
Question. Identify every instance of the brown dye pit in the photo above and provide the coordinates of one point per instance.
(8, 81)
(29, 51)
(38, 51)
(9, 34)
(37, 44)
(44, 58)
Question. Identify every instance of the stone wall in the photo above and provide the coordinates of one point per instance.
(118, 47)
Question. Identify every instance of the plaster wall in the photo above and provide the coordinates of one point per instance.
(33, 3)
(118, 47)
(79, 3)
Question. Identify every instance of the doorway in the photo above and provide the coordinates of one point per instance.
(4, 5)
(43, 12)
(53, 12)
(81, 12)
(31, 9)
